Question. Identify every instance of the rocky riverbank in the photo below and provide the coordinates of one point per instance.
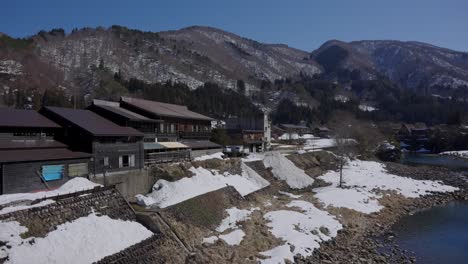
(371, 239)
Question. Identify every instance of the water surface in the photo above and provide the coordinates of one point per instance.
(436, 235)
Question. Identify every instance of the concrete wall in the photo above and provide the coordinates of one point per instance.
(129, 183)
(198, 153)
(22, 177)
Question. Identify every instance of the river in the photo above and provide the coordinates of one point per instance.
(437, 235)
(434, 160)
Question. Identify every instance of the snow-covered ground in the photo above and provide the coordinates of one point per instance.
(460, 153)
(236, 235)
(167, 193)
(292, 136)
(235, 215)
(217, 155)
(73, 185)
(363, 180)
(284, 169)
(367, 108)
(84, 240)
(323, 143)
(303, 230)
(319, 143)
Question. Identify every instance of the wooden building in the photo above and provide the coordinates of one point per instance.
(323, 132)
(123, 117)
(178, 121)
(249, 134)
(113, 148)
(292, 128)
(171, 132)
(30, 158)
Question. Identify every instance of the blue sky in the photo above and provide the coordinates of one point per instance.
(303, 24)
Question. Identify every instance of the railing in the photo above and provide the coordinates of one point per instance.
(202, 134)
(167, 156)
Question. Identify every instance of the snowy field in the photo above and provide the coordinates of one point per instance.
(363, 180)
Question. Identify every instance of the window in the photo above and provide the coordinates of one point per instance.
(105, 161)
(161, 128)
(172, 128)
(77, 169)
(126, 161)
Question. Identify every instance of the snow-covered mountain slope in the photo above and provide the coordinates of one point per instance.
(191, 55)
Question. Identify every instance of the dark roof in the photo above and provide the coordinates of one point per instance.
(164, 109)
(24, 155)
(294, 126)
(24, 118)
(114, 107)
(322, 128)
(22, 143)
(92, 122)
(200, 144)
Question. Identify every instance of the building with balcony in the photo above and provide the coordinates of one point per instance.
(161, 124)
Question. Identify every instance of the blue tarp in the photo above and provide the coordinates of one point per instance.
(52, 172)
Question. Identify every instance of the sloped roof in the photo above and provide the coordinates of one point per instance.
(23, 143)
(197, 144)
(23, 155)
(115, 108)
(294, 126)
(24, 118)
(92, 122)
(164, 109)
(173, 145)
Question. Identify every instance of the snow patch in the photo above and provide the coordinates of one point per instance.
(217, 155)
(167, 193)
(91, 235)
(71, 186)
(284, 169)
(303, 230)
(362, 181)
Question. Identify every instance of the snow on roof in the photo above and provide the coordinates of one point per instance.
(84, 240)
(284, 169)
(167, 193)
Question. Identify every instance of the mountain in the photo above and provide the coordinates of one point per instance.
(413, 65)
(191, 55)
(83, 62)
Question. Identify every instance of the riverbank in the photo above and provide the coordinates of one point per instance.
(363, 240)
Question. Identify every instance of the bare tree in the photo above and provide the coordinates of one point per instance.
(344, 149)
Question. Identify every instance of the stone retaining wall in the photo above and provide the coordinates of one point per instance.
(42, 220)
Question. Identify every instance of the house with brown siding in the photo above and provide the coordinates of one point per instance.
(113, 148)
(30, 157)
